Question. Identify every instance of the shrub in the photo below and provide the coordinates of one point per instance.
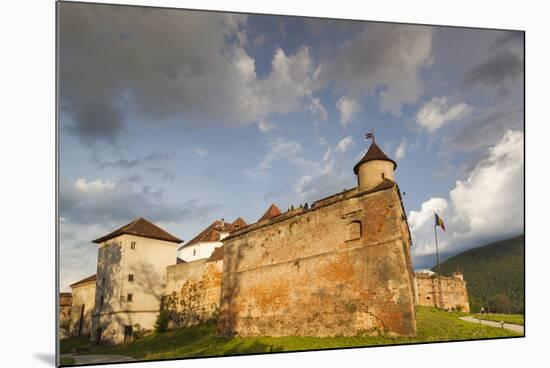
(161, 324)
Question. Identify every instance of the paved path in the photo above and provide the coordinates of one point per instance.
(98, 358)
(508, 326)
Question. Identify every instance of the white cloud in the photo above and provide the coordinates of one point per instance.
(490, 200)
(281, 150)
(97, 186)
(417, 219)
(289, 86)
(323, 141)
(348, 108)
(316, 108)
(485, 206)
(437, 112)
(332, 175)
(344, 144)
(400, 151)
(200, 152)
(303, 186)
(265, 126)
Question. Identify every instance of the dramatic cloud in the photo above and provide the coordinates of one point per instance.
(383, 59)
(344, 144)
(112, 203)
(487, 128)
(485, 206)
(490, 200)
(503, 69)
(159, 64)
(400, 151)
(348, 108)
(437, 112)
(499, 70)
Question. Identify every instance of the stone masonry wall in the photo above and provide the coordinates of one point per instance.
(192, 293)
(341, 268)
(452, 296)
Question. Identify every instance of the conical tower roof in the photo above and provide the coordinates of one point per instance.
(374, 153)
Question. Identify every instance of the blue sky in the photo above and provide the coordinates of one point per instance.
(186, 117)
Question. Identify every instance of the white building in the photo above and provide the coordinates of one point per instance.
(131, 276)
(209, 239)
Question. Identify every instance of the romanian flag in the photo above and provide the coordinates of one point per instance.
(439, 222)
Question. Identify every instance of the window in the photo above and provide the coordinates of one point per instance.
(428, 297)
(131, 277)
(133, 245)
(194, 252)
(129, 297)
(102, 300)
(354, 230)
(102, 281)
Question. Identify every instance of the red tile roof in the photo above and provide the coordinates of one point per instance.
(65, 299)
(213, 232)
(374, 153)
(84, 281)
(272, 211)
(217, 255)
(140, 227)
(239, 223)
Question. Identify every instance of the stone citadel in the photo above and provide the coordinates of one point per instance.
(341, 266)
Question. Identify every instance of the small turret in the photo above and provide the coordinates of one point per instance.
(374, 167)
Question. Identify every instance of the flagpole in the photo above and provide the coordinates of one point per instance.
(438, 267)
(437, 252)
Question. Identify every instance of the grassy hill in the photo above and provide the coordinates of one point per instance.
(494, 273)
(203, 340)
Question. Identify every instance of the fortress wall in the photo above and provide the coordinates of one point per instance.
(338, 269)
(192, 293)
(453, 294)
(83, 303)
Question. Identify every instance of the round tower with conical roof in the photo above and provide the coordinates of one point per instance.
(374, 167)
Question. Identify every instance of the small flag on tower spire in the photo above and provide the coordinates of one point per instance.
(370, 135)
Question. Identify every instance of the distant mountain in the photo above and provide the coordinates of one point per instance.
(494, 274)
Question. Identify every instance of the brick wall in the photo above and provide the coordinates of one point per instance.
(453, 294)
(192, 293)
(341, 268)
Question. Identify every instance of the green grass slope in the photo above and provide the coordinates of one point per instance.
(494, 274)
(199, 341)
